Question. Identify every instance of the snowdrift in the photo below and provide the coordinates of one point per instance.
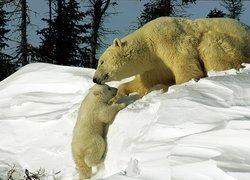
(195, 131)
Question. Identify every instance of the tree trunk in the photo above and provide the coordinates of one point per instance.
(59, 50)
(50, 16)
(97, 16)
(97, 4)
(165, 9)
(24, 46)
(233, 13)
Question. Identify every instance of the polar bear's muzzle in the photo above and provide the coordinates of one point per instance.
(101, 80)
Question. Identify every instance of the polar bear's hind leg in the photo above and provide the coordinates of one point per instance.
(95, 152)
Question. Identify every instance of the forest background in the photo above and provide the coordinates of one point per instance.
(76, 32)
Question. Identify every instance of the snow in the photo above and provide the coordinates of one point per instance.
(199, 130)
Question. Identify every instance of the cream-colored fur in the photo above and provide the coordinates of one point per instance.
(172, 50)
(88, 144)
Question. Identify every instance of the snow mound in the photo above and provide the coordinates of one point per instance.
(195, 131)
(38, 110)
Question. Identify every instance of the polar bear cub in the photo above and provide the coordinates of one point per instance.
(88, 144)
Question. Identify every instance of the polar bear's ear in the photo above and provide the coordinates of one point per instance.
(117, 42)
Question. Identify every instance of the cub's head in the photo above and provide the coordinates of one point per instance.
(103, 92)
(116, 63)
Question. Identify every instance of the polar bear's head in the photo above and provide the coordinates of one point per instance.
(121, 60)
(103, 92)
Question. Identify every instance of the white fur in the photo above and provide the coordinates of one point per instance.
(172, 50)
(88, 144)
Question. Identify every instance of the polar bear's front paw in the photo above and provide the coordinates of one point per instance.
(119, 106)
(113, 100)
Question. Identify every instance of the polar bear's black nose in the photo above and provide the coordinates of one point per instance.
(94, 80)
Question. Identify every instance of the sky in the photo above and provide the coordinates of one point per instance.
(127, 12)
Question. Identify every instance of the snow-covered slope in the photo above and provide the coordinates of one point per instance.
(38, 109)
(195, 131)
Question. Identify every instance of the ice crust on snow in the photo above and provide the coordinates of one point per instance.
(199, 130)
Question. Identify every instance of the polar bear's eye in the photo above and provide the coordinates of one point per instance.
(102, 62)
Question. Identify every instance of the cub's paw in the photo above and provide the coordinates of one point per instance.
(122, 106)
(113, 100)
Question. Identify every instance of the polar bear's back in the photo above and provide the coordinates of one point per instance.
(198, 26)
(223, 25)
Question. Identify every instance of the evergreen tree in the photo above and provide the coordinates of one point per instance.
(153, 10)
(3, 30)
(23, 28)
(216, 13)
(235, 8)
(63, 40)
(19, 14)
(6, 67)
(98, 12)
(46, 51)
(158, 8)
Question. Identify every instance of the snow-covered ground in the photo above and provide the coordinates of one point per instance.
(195, 131)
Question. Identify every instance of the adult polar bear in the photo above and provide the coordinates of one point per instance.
(172, 50)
